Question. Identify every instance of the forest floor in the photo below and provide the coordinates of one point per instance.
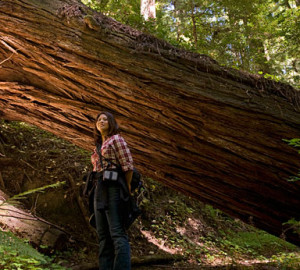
(174, 231)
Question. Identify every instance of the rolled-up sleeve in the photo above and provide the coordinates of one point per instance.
(123, 153)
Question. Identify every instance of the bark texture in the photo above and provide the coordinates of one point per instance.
(202, 129)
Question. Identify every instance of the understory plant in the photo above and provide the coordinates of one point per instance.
(295, 143)
(17, 254)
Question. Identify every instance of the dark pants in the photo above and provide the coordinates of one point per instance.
(114, 248)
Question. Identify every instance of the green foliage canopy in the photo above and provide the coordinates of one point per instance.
(259, 36)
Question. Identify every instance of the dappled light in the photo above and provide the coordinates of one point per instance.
(173, 229)
(206, 159)
(193, 123)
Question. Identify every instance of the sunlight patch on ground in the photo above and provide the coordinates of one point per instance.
(159, 243)
(195, 224)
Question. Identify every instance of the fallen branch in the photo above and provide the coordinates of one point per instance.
(82, 207)
(37, 230)
(143, 260)
(28, 216)
(154, 259)
(33, 167)
(2, 185)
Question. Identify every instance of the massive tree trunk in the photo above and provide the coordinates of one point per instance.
(210, 132)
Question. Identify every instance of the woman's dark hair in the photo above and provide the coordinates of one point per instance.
(113, 127)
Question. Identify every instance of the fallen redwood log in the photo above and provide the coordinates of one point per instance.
(37, 230)
(157, 259)
(211, 132)
(136, 261)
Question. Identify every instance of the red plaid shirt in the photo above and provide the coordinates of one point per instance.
(114, 149)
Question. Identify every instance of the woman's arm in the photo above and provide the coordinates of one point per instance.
(128, 176)
(124, 158)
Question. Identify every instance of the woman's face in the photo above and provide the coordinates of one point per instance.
(102, 124)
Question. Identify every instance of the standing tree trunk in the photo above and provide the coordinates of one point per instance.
(148, 9)
(194, 25)
(208, 131)
(177, 16)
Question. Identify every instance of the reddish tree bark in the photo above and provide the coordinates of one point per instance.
(202, 129)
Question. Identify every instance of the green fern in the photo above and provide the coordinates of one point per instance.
(295, 143)
(9, 242)
(20, 196)
(16, 253)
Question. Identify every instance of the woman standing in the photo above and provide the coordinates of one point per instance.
(111, 153)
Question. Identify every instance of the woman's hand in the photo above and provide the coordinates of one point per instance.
(128, 176)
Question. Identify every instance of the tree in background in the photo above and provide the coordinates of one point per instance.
(259, 36)
(148, 9)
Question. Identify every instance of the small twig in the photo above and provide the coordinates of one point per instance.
(18, 217)
(9, 47)
(81, 205)
(15, 211)
(30, 180)
(33, 209)
(2, 185)
(52, 224)
(5, 60)
(33, 167)
(34, 217)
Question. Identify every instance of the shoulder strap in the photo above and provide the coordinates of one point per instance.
(98, 149)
